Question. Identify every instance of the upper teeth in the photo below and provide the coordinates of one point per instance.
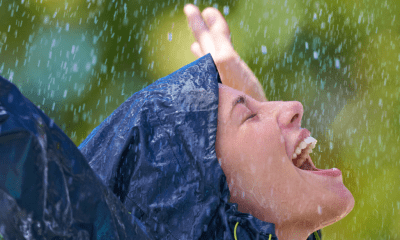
(307, 142)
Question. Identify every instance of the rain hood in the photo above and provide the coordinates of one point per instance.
(148, 171)
(157, 153)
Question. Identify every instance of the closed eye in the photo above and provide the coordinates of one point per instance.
(242, 100)
(251, 116)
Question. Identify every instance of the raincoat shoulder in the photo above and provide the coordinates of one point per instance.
(47, 188)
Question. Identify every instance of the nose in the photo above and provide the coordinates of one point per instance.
(290, 114)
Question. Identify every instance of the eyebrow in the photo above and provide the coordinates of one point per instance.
(236, 102)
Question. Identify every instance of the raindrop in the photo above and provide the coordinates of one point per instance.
(94, 59)
(315, 55)
(202, 141)
(306, 45)
(337, 63)
(315, 17)
(75, 67)
(319, 210)
(226, 10)
(10, 98)
(3, 114)
(65, 93)
(243, 194)
(11, 76)
(88, 65)
(208, 211)
(264, 49)
(205, 228)
(67, 27)
(169, 37)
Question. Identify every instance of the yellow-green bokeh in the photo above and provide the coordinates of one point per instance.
(340, 59)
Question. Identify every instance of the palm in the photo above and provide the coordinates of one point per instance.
(213, 36)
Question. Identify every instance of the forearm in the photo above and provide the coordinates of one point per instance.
(236, 74)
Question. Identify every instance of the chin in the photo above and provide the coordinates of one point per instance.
(340, 208)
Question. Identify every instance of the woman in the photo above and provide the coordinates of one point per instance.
(159, 166)
(256, 127)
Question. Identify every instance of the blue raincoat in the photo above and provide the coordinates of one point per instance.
(148, 171)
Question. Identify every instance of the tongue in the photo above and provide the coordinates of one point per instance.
(309, 165)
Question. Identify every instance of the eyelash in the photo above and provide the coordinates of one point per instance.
(251, 116)
(242, 101)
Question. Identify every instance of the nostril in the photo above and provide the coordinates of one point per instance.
(294, 118)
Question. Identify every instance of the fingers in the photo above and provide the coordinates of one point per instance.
(216, 22)
(199, 28)
(196, 49)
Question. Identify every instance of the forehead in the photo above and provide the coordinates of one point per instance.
(228, 91)
(226, 96)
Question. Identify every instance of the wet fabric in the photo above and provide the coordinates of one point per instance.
(148, 171)
(47, 188)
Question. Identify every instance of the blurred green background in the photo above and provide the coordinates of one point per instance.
(80, 59)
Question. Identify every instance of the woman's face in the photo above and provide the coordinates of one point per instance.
(254, 154)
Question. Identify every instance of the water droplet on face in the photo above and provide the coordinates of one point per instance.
(253, 168)
(319, 210)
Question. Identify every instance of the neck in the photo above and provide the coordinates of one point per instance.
(286, 230)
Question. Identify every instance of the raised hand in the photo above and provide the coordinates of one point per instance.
(213, 36)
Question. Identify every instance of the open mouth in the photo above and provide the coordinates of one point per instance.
(301, 156)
